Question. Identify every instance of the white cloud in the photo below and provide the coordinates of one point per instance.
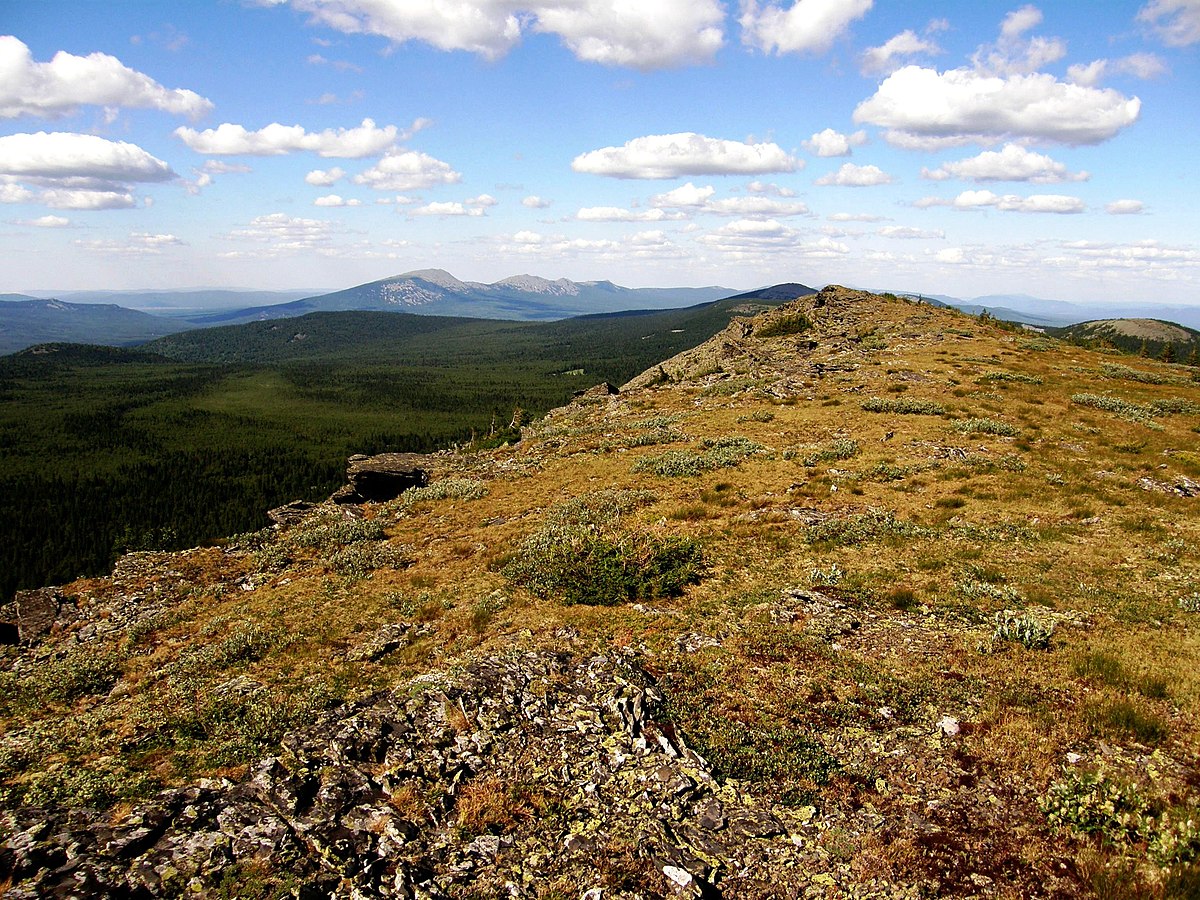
(1176, 22)
(757, 238)
(1140, 65)
(219, 167)
(229, 139)
(768, 187)
(834, 143)
(1013, 54)
(138, 244)
(855, 217)
(961, 105)
(408, 170)
(662, 34)
(807, 26)
(611, 32)
(59, 87)
(483, 200)
(283, 235)
(1125, 207)
(687, 195)
(951, 255)
(44, 222)
(335, 200)
(75, 171)
(535, 202)
(687, 153)
(850, 175)
(1035, 203)
(60, 155)
(618, 214)
(448, 209)
(887, 56)
(906, 232)
(1012, 163)
(325, 177)
(700, 200)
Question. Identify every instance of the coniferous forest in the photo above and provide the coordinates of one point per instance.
(194, 437)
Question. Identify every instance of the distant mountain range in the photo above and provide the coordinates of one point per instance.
(436, 292)
(76, 316)
(25, 321)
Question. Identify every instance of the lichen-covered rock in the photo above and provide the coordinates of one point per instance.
(520, 771)
(382, 477)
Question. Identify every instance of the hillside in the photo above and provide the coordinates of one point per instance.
(858, 598)
(25, 321)
(1149, 337)
(436, 292)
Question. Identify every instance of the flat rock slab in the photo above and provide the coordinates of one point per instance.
(382, 477)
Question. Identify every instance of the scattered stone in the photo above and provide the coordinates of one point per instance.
(32, 614)
(291, 513)
(1182, 486)
(387, 639)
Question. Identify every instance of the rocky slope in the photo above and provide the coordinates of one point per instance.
(861, 598)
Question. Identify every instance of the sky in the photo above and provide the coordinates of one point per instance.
(966, 149)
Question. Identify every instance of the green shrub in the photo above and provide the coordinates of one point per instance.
(446, 489)
(594, 566)
(1026, 629)
(599, 507)
(83, 672)
(359, 560)
(718, 454)
(989, 377)
(1132, 412)
(328, 531)
(839, 449)
(986, 426)
(909, 406)
(783, 325)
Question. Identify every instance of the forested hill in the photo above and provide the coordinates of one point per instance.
(107, 449)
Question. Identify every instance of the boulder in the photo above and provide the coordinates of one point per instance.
(30, 615)
(290, 513)
(384, 476)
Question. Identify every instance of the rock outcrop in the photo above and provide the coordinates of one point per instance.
(525, 770)
(384, 476)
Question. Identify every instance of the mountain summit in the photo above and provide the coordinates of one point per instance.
(519, 297)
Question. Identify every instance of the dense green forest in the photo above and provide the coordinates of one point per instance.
(193, 437)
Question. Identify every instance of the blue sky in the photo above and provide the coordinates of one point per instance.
(962, 149)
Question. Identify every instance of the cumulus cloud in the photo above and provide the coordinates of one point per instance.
(619, 214)
(75, 171)
(755, 238)
(138, 244)
(282, 235)
(43, 222)
(923, 106)
(1035, 203)
(645, 36)
(483, 201)
(408, 170)
(807, 26)
(219, 167)
(855, 217)
(687, 195)
(887, 56)
(905, 232)
(1125, 207)
(229, 139)
(850, 175)
(1176, 22)
(335, 200)
(686, 153)
(834, 143)
(325, 177)
(657, 35)
(1012, 163)
(535, 202)
(60, 86)
(447, 209)
(768, 187)
(1140, 65)
(60, 155)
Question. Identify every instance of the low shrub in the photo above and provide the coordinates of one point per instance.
(986, 426)
(596, 566)
(1026, 629)
(909, 406)
(783, 325)
(835, 450)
